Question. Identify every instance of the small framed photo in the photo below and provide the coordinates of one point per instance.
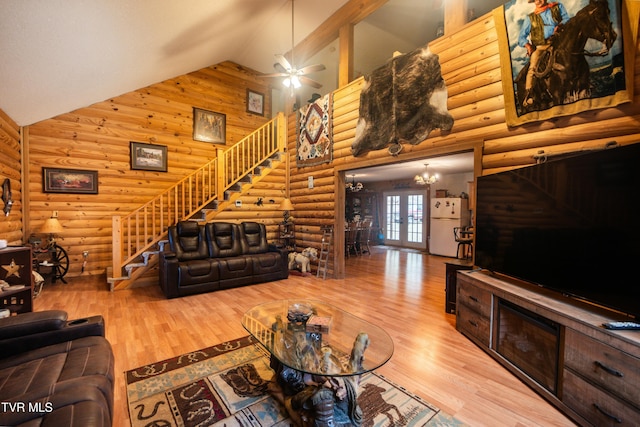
(255, 102)
(69, 181)
(148, 157)
(209, 126)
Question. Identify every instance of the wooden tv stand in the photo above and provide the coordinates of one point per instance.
(594, 373)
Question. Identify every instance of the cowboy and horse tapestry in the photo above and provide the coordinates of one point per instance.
(561, 57)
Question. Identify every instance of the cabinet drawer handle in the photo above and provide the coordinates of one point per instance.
(474, 299)
(474, 324)
(608, 415)
(608, 369)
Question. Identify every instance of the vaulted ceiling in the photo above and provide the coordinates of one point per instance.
(59, 55)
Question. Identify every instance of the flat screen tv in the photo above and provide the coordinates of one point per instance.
(570, 224)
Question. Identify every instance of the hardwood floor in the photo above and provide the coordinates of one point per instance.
(400, 290)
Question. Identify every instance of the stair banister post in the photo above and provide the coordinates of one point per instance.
(116, 245)
(220, 173)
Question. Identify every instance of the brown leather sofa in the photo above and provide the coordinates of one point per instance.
(55, 372)
(205, 257)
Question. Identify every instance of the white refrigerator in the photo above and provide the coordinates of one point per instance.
(446, 213)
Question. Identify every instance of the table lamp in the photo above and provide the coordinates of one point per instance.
(287, 207)
(51, 227)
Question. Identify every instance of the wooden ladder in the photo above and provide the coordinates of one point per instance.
(325, 246)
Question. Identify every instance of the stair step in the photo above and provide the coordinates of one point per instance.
(212, 205)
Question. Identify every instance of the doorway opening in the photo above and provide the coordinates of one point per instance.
(406, 225)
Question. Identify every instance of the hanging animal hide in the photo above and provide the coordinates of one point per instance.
(402, 102)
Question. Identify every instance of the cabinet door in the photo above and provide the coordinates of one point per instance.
(15, 271)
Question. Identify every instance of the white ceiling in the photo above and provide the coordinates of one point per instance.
(60, 55)
(443, 165)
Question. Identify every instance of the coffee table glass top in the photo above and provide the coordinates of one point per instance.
(317, 338)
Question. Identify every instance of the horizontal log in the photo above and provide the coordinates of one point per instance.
(611, 121)
(528, 156)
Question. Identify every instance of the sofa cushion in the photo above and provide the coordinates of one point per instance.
(71, 404)
(224, 239)
(37, 371)
(198, 271)
(269, 262)
(188, 241)
(255, 238)
(236, 268)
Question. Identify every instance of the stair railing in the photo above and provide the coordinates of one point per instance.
(137, 232)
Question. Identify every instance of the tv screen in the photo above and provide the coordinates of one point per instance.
(571, 224)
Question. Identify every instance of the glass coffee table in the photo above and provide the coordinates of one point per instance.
(318, 352)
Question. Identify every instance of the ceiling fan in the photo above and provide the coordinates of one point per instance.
(294, 78)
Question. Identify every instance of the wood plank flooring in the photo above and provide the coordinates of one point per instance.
(400, 290)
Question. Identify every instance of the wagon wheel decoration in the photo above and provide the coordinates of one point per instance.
(60, 261)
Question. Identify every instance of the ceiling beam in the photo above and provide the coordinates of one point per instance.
(350, 13)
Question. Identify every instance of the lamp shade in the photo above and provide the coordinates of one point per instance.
(285, 205)
(52, 226)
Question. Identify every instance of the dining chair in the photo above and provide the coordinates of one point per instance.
(464, 237)
(351, 239)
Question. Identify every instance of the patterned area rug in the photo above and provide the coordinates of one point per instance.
(226, 385)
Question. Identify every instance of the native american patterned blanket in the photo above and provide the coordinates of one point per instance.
(226, 385)
(315, 132)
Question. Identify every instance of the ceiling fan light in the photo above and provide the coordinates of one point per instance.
(287, 82)
(296, 82)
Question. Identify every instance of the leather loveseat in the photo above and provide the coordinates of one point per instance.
(55, 372)
(205, 257)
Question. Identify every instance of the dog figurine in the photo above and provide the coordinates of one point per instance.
(303, 259)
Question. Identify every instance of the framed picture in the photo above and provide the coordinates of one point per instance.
(255, 102)
(69, 181)
(148, 157)
(209, 126)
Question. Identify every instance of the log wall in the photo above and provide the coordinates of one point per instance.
(11, 167)
(470, 64)
(98, 137)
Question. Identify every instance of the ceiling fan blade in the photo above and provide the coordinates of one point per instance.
(276, 75)
(283, 61)
(279, 68)
(312, 69)
(309, 82)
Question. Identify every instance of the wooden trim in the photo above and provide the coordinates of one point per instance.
(345, 67)
(24, 178)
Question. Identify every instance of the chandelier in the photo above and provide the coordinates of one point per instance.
(353, 186)
(425, 178)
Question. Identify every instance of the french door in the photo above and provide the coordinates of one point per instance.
(405, 219)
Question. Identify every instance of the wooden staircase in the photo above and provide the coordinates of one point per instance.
(139, 236)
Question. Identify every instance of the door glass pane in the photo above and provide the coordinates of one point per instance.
(414, 216)
(393, 218)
